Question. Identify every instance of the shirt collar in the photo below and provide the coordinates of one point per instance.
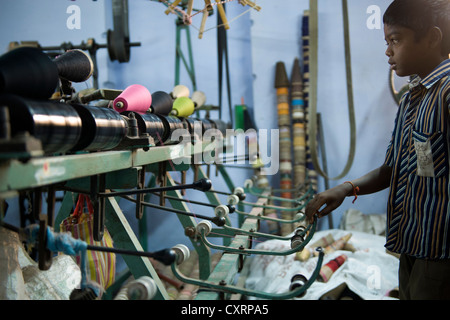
(442, 70)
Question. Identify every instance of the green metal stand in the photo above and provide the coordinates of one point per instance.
(179, 56)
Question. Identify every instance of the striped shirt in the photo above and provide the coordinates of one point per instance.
(418, 211)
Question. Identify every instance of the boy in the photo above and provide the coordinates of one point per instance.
(416, 167)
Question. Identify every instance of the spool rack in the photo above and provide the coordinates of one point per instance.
(121, 170)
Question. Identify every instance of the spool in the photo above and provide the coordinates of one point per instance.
(298, 238)
(161, 103)
(233, 199)
(221, 211)
(179, 91)
(208, 124)
(194, 125)
(134, 98)
(143, 288)
(183, 107)
(28, 72)
(239, 192)
(204, 226)
(327, 270)
(74, 65)
(148, 123)
(57, 125)
(297, 281)
(171, 124)
(103, 128)
(199, 99)
(182, 253)
(222, 126)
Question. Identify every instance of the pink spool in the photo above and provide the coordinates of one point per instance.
(134, 98)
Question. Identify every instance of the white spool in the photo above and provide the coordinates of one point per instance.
(204, 226)
(238, 191)
(143, 288)
(182, 253)
(248, 183)
(299, 216)
(233, 199)
(221, 211)
(180, 91)
(199, 98)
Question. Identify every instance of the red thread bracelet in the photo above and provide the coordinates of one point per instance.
(355, 190)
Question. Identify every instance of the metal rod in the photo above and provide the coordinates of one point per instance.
(219, 221)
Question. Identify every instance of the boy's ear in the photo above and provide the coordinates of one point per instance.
(435, 37)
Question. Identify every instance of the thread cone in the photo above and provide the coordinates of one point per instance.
(134, 98)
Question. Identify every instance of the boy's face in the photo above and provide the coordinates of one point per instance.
(407, 55)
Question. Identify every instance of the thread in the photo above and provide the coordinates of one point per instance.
(143, 288)
(171, 124)
(199, 98)
(161, 103)
(327, 270)
(57, 125)
(183, 107)
(297, 281)
(298, 124)
(102, 128)
(149, 123)
(180, 90)
(135, 98)
(28, 72)
(284, 125)
(74, 65)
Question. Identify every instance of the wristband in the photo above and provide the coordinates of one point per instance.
(355, 190)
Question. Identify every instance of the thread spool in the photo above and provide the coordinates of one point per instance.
(232, 199)
(148, 123)
(135, 98)
(298, 238)
(338, 244)
(74, 65)
(180, 90)
(222, 126)
(221, 211)
(28, 72)
(204, 226)
(182, 252)
(207, 125)
(161, 103)
(183, 107)
(57, 125)
(248, 183)
(102, 128)
(143, 288)
(171, 124)
(199, 98)
(240, 193)
(327, 270)
(297, 281)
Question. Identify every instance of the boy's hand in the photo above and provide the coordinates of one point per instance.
(332, 198)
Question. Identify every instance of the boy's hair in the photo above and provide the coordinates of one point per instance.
(420, 16)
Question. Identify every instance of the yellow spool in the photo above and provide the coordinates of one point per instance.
(183, 107)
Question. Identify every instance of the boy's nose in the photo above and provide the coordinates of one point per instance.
(388, 52)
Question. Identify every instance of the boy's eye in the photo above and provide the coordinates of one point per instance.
(391, 42)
